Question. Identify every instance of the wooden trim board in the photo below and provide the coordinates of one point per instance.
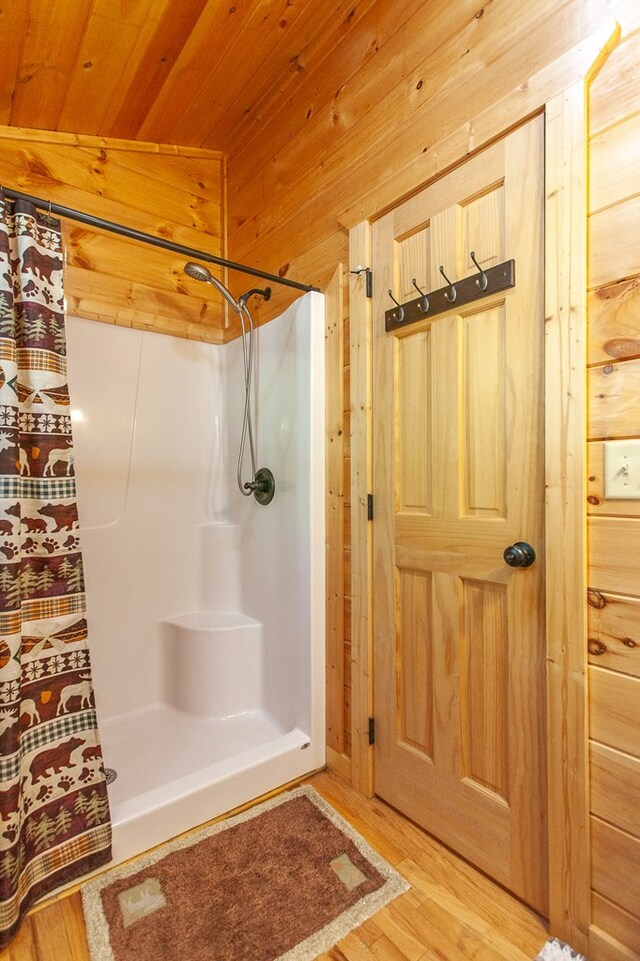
(361, 541)
(33, 135)
(565, 457)
(334, 416)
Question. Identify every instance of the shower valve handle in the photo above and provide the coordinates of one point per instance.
(263, 486)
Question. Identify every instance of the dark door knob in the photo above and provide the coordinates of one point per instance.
(519, 555)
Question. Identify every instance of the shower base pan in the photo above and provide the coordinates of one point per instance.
(175, 771)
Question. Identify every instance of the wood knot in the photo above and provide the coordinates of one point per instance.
(40, 169)
(622, 347)
(629, 642)
(608, 369)
(85, 263)
(596, 647)
(593, 499)
(595, 599)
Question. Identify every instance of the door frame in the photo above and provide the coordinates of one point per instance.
(560, 91)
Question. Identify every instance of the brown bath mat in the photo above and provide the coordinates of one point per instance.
(281, 882)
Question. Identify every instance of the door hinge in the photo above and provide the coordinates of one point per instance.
(372, 730)
(369, 507)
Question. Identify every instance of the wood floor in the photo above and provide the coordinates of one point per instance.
(451, 913)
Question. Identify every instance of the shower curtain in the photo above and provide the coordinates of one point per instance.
(54, 812)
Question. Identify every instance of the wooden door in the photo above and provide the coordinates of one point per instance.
(459, 651)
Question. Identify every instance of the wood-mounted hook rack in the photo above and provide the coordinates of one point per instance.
(454, 295)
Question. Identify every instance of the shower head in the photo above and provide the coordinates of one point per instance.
(198, 272)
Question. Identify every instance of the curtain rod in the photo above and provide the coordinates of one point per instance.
(189, 252)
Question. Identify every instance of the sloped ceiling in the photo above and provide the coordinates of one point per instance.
(189, 72)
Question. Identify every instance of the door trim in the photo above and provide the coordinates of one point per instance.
(565, 514)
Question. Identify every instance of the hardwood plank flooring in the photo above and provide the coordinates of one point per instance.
(451, 913)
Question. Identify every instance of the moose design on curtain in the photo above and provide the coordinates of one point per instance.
(54, 811)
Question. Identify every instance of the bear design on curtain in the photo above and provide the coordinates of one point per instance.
(54, 811)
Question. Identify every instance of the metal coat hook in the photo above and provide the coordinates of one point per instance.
(452, 293)
(400, 314)
(423, 303)
(482, 280)
(464, 291)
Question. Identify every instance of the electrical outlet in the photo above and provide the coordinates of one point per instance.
(622, 469)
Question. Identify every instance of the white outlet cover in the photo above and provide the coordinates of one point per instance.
(622, 469)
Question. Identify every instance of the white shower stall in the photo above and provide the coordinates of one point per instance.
(205, 608)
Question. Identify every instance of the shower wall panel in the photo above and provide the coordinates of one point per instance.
(145, 409)
(165, 531)
(282, 544)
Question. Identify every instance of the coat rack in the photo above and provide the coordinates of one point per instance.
(457, 293)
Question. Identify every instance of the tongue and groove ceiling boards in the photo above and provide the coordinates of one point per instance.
(125, 109)
(185, 72)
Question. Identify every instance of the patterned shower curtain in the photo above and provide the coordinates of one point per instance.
(54, 812)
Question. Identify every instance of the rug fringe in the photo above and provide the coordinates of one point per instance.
(557, 950)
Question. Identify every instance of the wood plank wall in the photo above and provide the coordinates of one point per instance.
(354, 134)
(174, 193)
(341, 149)
(614, 525)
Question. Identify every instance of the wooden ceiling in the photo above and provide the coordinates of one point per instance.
(189, 72)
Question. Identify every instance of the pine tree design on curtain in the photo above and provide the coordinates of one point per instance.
(54, 812)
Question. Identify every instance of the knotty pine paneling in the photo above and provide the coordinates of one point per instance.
(164, 191)
(614, 558)
(614, 632)
(355, 132)
(617, 924)
(615, 858)
(614, 525)
(615, 787)
(622, 142)
(616, 87)
(358, 132)
(615, 717)
(610, 260)
(614, 329)
(613, 391)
